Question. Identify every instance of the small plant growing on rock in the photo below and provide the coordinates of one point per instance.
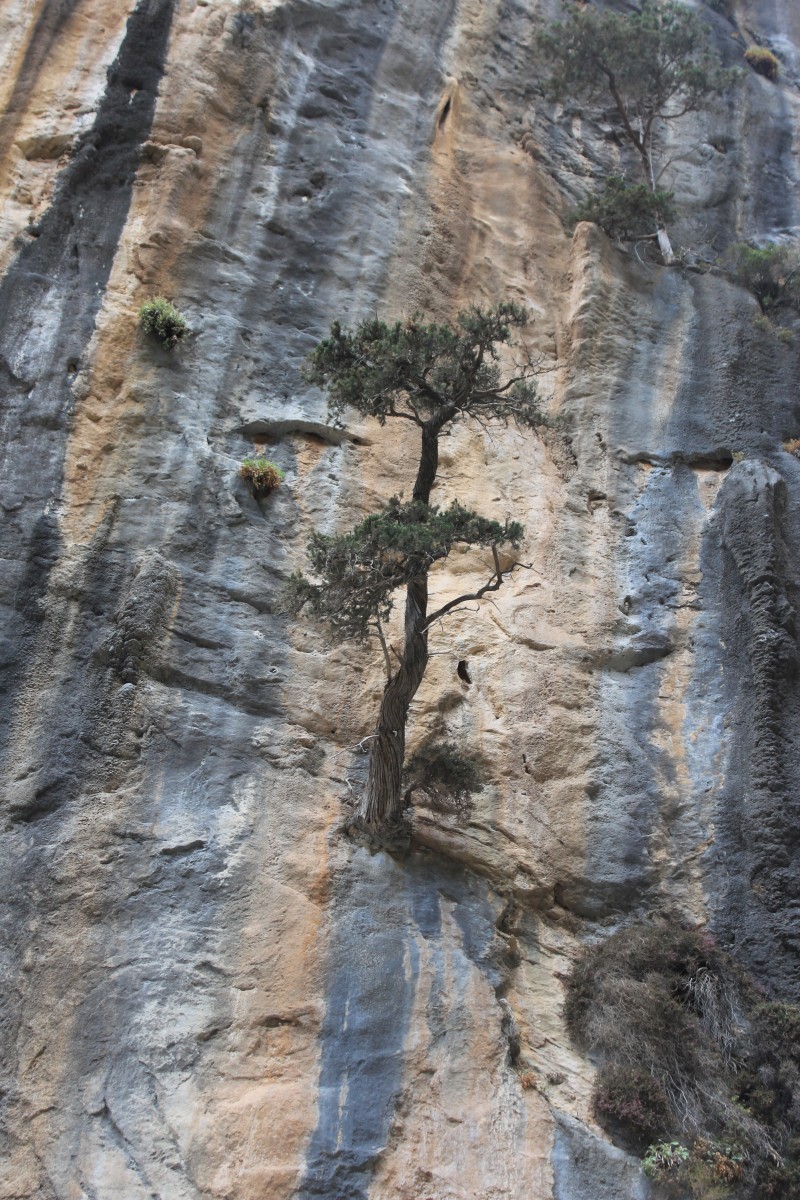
(714, 1168)
(262, 475)
(448, 777)
(792, 446)
(763, 62)
(708, 1171)
(162, 319)
(626, 211)
(665, 1160)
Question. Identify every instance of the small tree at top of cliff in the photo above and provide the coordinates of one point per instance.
(654, 64)
(431, 375)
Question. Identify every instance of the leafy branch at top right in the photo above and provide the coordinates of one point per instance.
(656, 66)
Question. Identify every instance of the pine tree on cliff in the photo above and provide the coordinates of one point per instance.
(655, 65)
(432, 376)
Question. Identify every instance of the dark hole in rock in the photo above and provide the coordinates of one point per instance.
(444, 113)
(714, 460)
(463, 670)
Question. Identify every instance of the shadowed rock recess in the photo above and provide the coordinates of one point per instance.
(209, 989)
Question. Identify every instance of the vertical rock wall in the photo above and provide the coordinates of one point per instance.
(208, 990)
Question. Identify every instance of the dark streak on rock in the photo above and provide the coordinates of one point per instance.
(49, 299)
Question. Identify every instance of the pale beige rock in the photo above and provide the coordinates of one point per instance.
(216, 993)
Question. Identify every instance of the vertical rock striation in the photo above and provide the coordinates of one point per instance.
(209, 990)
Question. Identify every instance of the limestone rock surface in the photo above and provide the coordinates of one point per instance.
(208, 989)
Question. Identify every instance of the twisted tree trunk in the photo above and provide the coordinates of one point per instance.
(382, 802)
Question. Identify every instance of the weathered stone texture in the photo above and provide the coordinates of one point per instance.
(209, 990)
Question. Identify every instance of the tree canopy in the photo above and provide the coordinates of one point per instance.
(427, 372)
(656, 64)
(359, 572)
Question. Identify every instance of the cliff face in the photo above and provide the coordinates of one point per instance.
(208, 989)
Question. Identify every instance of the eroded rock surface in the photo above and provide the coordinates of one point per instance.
(208, 989)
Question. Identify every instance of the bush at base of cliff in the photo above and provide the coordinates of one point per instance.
(625, 211)
(659, 997)
(162, 319)
(661, 1000)
(763, 62)
(631, 1105)
(262, 475)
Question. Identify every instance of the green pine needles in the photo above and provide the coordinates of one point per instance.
(654, 64)
(626, 211)
(361, 571)
(421, 371)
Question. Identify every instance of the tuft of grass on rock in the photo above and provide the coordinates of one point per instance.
(763, 62)
(262, 475)
(162, 320)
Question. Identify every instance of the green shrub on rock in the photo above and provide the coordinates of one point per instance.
(262, 475)
(771, 272)
(161, 319)
(626, 211)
